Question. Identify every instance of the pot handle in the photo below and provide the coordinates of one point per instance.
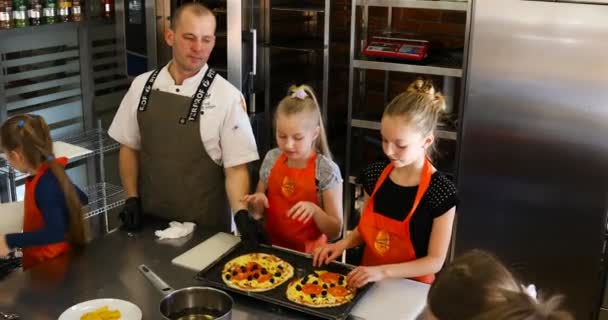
(158, 283)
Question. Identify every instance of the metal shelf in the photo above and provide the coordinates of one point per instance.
(300, 7)
(307, 45)
(103, 197)
(418, 4)
(410, 68)
(96, 140)
(375, 125)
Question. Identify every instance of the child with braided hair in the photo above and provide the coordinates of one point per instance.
(53, 220)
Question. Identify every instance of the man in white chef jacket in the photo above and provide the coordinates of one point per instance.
(185, 135)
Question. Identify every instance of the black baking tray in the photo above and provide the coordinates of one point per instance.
(302, 264)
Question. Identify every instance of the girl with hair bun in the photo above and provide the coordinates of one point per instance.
(406, 225)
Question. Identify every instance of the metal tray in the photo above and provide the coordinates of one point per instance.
(302, 264)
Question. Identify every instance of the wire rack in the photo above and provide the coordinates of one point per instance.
(96, 140)
(103, 197)
(5, 168)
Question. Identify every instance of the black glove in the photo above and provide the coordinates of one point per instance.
(247, 227)
(260, 232)
(131, 214)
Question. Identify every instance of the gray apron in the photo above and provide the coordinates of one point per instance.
(178, 180)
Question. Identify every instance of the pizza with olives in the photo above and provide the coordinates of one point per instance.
(320, 289)
(256, 272)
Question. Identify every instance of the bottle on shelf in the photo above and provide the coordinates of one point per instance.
(6, 14)
(108, 9)
(64, 10)
(19, 13)
(49, 11)
(34, 12)
(77, 10)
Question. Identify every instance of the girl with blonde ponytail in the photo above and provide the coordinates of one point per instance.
(300, 189)
(53, 219)
(409, 207)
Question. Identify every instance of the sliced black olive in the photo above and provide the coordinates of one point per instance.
(243, 269)
(324, 286)
(332, 285)
(250, 278)
(341, 283)
(264, 271)
(271, 280)
(281, 267)
(234, 273)
(324, 292)
(277, 274)
(298, 287)
(256, 275)
(341, 278)
(255, 267)
(315, 282)
(227, 276)
(312, 295)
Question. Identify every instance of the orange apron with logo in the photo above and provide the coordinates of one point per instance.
(387, 240)
(33, 221)
(286, 187)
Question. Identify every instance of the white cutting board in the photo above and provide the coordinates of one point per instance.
(70, 151)
(11, 217)
(206, 252)
(64, 149)
(398, 299)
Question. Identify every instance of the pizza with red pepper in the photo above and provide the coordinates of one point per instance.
(256, 272)
(320, 289)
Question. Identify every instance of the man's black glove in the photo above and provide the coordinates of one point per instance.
(248, 229)
(131, 214)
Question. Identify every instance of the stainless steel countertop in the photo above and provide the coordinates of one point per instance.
(108, 269)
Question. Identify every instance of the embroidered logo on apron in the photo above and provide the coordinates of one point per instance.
(383, 242)
(287, 187)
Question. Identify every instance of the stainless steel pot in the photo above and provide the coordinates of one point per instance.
(192, 303)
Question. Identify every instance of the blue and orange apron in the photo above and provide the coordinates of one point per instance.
(34, 221)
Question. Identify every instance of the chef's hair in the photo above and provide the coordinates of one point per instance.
(477, 286)
(301, 99)
(420, 106)
(197, 8)
(30, 136)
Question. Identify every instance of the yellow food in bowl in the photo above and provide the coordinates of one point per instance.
(102, 313)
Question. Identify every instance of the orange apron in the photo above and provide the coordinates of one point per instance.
(387, 240)
(286, 187)
(33, 221)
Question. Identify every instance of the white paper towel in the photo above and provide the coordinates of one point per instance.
(176, 230)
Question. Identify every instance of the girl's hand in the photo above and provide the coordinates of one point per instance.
(256, 199)
(363, 275)
(327, 253)
(4, 249)
(303, 211)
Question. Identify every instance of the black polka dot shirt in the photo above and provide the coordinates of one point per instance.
(395, 201)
